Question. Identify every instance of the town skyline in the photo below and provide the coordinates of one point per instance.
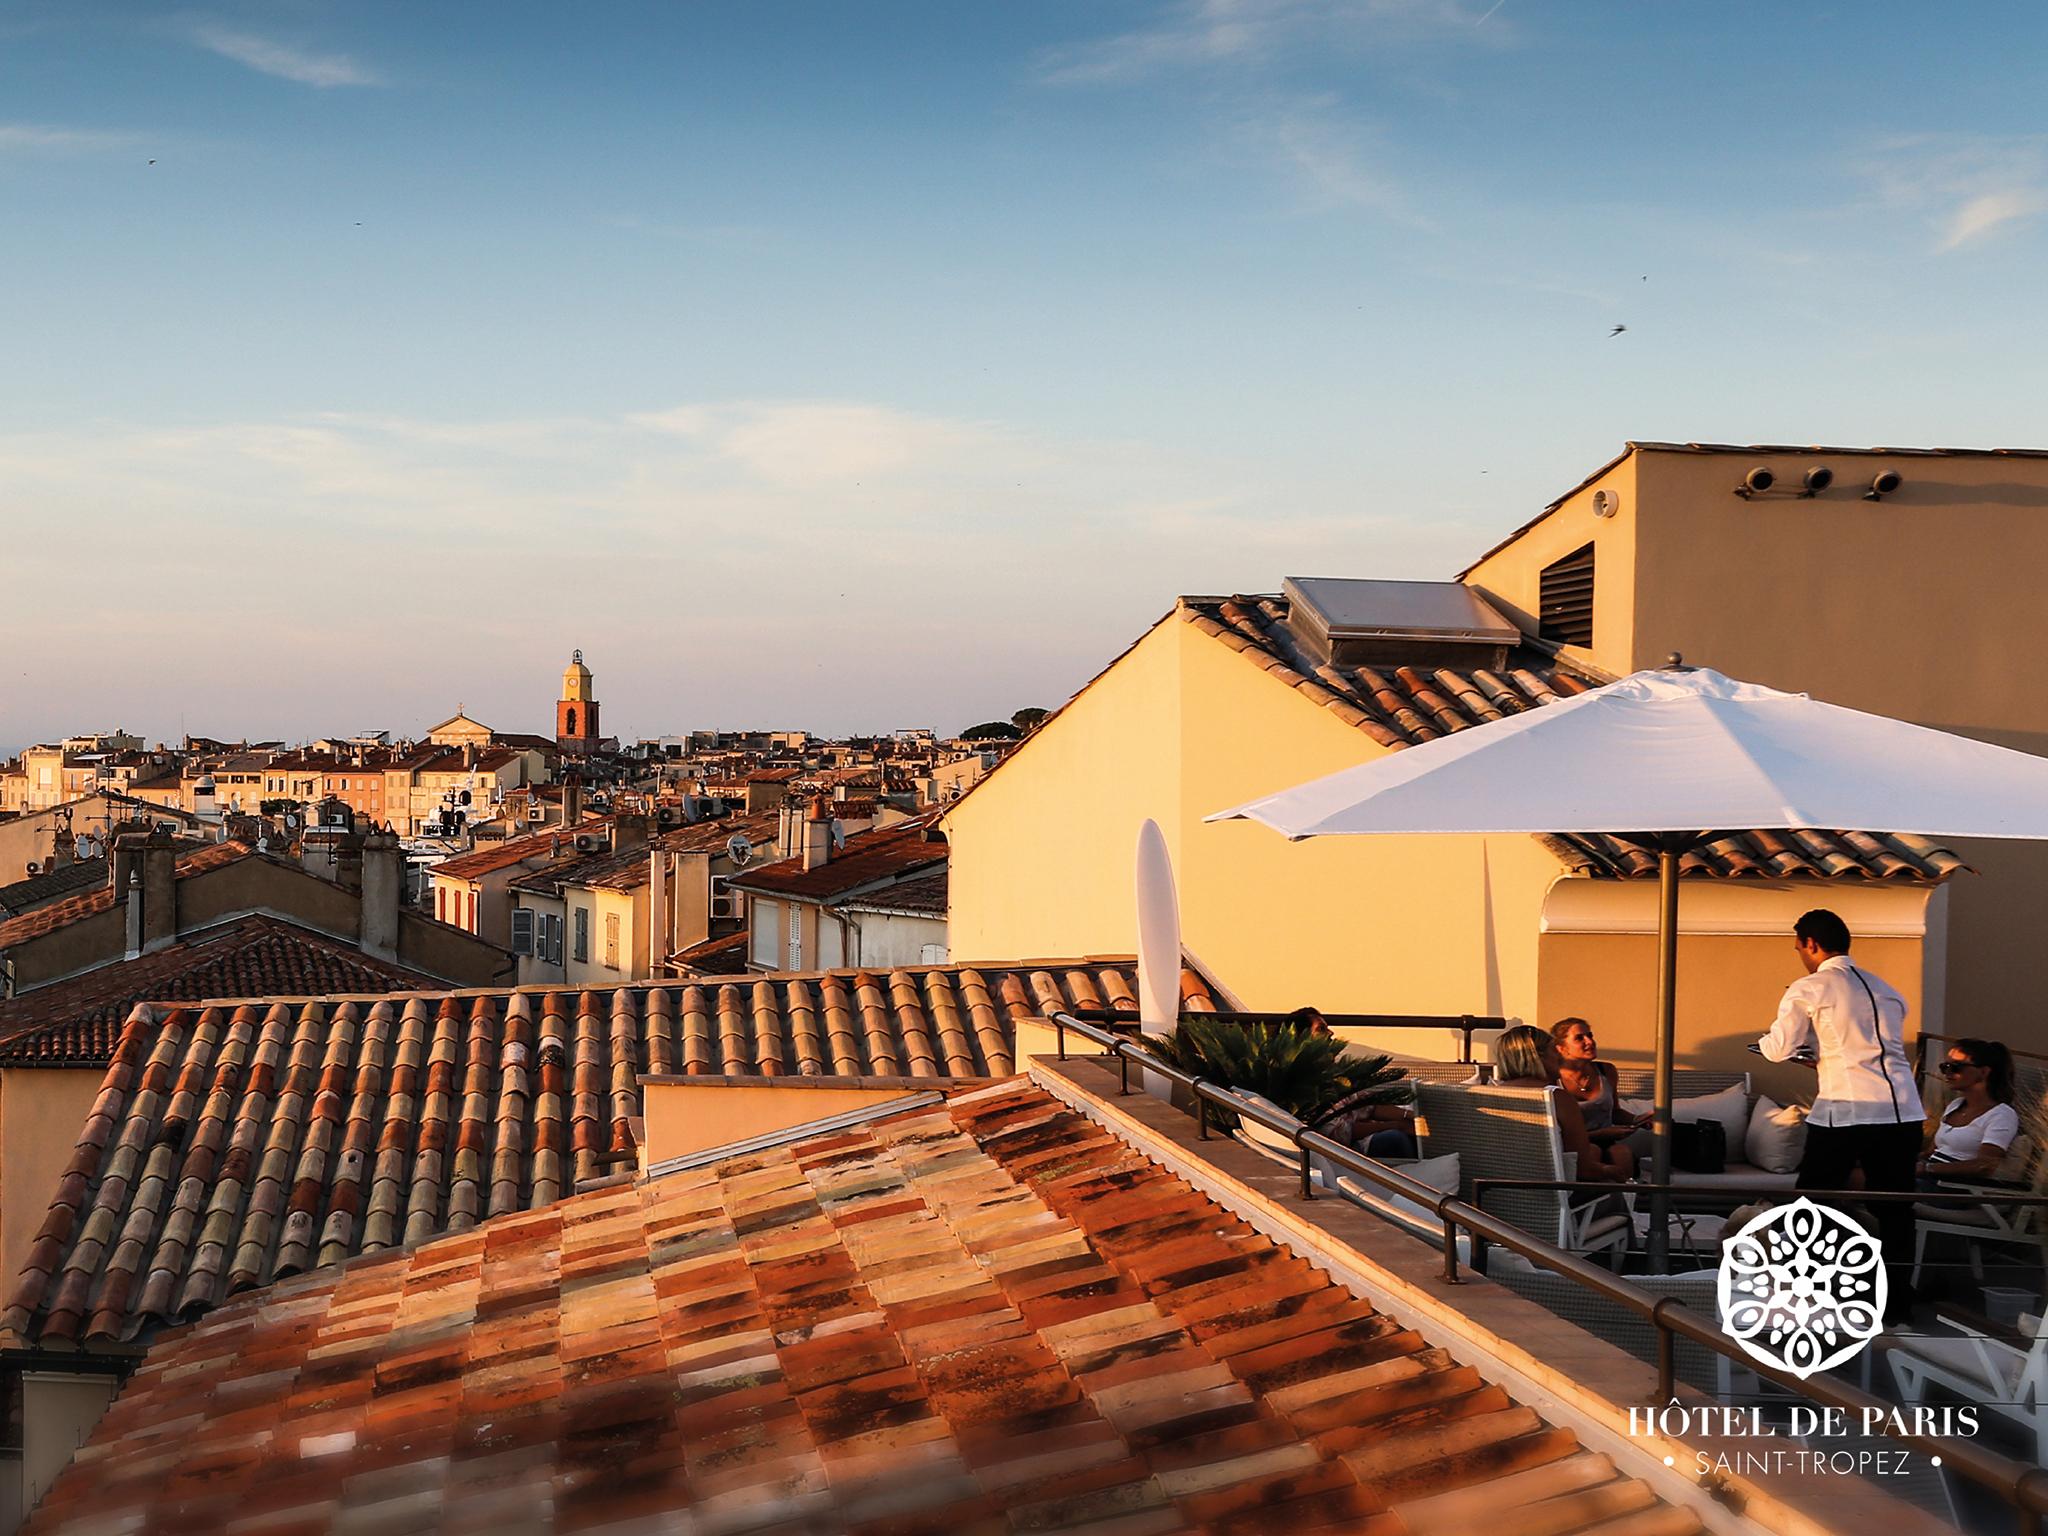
(899, 368)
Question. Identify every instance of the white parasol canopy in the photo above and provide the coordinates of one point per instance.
(1678, 751)
(1668, 759)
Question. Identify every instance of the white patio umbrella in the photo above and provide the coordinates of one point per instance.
(1670, 759)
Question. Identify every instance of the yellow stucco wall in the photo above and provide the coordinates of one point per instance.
(1042, 852)
(42, 1111)
(1049, 841)
(1512, 577)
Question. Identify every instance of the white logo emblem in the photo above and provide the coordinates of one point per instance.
(1802, 1287)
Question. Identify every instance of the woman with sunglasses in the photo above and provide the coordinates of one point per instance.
(1979, 1122)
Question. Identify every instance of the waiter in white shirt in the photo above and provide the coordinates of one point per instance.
(1866, 1113)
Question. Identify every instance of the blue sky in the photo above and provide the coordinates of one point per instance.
(861, 366)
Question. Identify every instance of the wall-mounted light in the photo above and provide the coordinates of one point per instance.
(1886, 482)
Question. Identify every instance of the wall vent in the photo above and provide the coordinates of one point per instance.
(1565, 611)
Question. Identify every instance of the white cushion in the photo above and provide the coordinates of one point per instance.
(1777, 1136)
(1439, 1173)
(1730, 1106)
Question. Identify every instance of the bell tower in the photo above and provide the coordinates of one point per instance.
(576, 711)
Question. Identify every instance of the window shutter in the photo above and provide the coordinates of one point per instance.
(1565, 610)
(582, 950)
(611, 940)
(522, 931)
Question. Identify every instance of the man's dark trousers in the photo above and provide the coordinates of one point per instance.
(1887, 1154)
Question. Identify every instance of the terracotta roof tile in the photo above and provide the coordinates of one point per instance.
(33, 925)
(78, 1022)
(1403, 706)
(235, 1143)
(919, 1325)
(874, 857)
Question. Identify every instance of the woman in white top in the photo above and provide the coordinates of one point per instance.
(1979, 1122)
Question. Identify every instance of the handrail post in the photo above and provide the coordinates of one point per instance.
(1451, 1275)
(1465, 1049)
(1123, 1063)
(1667, 1355)
(1059, 1031)
(1201, 1114)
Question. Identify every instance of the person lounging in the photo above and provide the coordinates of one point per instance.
(1595, 1085)
(1526, 1057)
(1978, 1123)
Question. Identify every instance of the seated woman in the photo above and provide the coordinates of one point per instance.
(1971, 1138)
(1524, 1057)
(1594, 1084)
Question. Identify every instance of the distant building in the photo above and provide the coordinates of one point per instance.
(576, 729)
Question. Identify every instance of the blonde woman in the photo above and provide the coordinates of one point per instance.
(1526, 1057)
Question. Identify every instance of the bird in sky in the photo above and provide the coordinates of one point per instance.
(1616, 332)
(152, 162)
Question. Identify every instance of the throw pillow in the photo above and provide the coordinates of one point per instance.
(1730, 1106)
(1777, 1136)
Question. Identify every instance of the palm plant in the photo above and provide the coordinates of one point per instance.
(1302, 1070)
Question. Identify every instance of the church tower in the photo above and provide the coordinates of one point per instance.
(576, 711)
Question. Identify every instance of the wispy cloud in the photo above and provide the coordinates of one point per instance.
(269, 57)
(1333, 162)
(34, 138)
(1965, 189)
(1209, 33)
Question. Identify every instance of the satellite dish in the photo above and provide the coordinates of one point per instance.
(465, 797)
(33, 867)
(291, 821)
(738, 848)
(838, 833)
(1606, 503)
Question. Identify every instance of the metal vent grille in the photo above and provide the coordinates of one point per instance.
(1567, 599)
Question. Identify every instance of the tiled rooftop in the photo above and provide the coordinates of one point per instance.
(40, 890)
(868, 858)
(78, 1022)
(721, 955)
(61, 914)
(921, 894)
(1403, 706)
(235, 1143)
(987, 1315)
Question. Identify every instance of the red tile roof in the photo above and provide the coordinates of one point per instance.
(1403, 706)
(725, 955)
(62, 914)
(875, 857)
(980, 1316)
(237, 1143)
(78, 1022)
(513, 850)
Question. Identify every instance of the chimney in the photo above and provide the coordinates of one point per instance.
(628, 831)
(572, 801)
(468, 755)
(126, 858)
(383, 879)
(133, 894)
(817, 835)
(159, 870)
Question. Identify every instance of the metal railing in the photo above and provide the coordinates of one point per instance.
(1463, 1025)
(2023, 1487)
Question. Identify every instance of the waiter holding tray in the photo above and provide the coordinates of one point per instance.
(1866, 1113)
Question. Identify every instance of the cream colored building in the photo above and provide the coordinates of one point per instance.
(1911, 604)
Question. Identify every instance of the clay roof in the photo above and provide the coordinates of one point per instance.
(78, 1022)
(983, 1315)
(514, 850)
(237, 1143)
(61, 914)
(924, 895)
(1402, 706)
(39, 890)
(870, 858)
(724, 955)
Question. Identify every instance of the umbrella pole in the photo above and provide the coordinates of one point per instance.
(1667, 1042)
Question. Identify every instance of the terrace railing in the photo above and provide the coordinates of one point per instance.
(2024, 1488)
(1463, 1025)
